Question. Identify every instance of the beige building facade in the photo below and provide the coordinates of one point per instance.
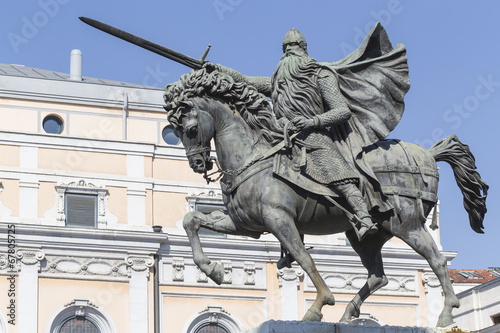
(90, 171)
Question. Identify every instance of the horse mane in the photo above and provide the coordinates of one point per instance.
(253, 106)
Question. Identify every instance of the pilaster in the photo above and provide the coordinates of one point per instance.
(29, 262)
(289, 282)
(434, 297)
(138, 290)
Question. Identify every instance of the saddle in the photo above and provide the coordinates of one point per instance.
(405, 173)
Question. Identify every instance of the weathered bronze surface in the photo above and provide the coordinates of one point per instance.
(300, 166)
(148, 45)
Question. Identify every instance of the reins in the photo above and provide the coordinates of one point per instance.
(285, 143)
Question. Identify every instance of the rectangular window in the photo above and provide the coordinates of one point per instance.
(81, 210)
(471, 275)
(206, 209)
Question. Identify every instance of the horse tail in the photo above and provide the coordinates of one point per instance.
(473, 188)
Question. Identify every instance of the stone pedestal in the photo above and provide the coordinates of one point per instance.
(272, 326)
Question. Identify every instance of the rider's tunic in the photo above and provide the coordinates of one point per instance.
(318, 96)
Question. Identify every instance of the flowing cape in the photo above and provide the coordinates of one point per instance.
(374, 80)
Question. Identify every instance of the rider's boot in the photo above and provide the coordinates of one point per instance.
(363, 225)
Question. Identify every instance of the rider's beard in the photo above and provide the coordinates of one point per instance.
(295, 91)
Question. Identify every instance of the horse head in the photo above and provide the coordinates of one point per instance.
(195, 128)
(201, 103)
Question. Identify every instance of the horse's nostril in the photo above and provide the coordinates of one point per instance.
(196, 163)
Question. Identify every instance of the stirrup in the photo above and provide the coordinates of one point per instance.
(363, 229)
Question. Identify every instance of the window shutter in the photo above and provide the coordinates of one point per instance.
(81, 210)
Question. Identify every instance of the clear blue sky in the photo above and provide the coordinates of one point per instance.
(452, 46)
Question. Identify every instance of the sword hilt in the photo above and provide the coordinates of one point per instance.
(204, 55)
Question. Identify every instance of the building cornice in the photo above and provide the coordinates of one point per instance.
(81, 93)
(52, 239)
(267, 250)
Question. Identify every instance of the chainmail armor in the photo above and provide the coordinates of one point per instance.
(338, 111)
(327, 165)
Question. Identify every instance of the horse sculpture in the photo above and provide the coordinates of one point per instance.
(203, 106)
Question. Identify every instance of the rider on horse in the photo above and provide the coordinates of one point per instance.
(307, 94)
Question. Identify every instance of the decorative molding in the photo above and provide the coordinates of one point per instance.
(80, 306)
(201, 277)
(139, 263)
(214, 315)
(211, 197)
(228, 271)
(249, 269)
(430, 280)
(5, 212)
(352, 283)
(88, 267)
(30, 256)
(290, 274)
(178, 269)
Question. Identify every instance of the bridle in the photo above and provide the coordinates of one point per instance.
(204, 150)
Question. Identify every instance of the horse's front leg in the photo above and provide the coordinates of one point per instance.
(282, 225)
(216, 221)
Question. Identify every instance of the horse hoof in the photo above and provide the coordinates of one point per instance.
(330, 300)
(313, 314)
(350, 312)
(217, 273)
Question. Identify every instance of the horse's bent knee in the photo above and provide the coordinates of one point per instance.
(188, 221)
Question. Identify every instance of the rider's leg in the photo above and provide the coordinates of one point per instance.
(355, 199)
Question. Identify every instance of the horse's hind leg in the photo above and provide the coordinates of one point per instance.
(421, 241)
(370, 254)
(216, 221)
(282, 226)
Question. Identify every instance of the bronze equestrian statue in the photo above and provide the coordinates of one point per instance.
(317, 160)
(269, 182)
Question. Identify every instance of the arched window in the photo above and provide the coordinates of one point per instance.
(213, 319)
(212, 328)
(80, 316)
(79, 325)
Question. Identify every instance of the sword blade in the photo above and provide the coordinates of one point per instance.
(144, 43)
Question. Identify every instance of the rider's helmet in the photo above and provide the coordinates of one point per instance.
(294, 36)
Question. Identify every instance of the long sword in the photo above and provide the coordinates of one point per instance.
(148, 45)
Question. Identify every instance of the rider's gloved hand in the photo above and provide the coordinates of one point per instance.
(209, 66)
(302, 123)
